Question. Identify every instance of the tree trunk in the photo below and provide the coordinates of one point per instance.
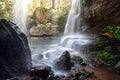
(53, 4)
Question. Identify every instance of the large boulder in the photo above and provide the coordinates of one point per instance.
(101, 13)
(15, 54)
(63, 63)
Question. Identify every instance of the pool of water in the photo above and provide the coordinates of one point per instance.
(44, 41)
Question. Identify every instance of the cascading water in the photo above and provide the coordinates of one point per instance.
(73, 22)
(72, 35)
(20, 14)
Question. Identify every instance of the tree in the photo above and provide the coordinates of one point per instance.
(53, 4)
(5, 8)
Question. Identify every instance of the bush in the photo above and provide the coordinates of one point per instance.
(104, 51)
(105, 56)
(115, 31)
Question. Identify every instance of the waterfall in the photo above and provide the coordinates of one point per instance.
(73, 21)
(20, 14)
(73, 26)
(72, 41)
(73, 37)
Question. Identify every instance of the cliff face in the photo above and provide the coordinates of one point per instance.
(101, 13)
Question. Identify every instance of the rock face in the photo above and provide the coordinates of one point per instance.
(15, 55)
(47, 29)
(101, 13)
(63, 63)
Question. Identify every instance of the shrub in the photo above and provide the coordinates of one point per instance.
(105, 56)
(115, 31)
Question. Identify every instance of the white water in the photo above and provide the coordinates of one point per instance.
(73, 22)
(20, 14)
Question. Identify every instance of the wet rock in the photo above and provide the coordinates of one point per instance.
(51, 77)
(52, 54)
(66, 79)
(94, 10)
(37, 57)
(41, 72)
(62, 76)
(117, 67)
(76, 60)
(15, 78)
(63, 63)
(86, 74)
(77, 74)
(15, 55)
(82, 74)
(83, 63)
(57, 77)
(76, 78)
(40, 56)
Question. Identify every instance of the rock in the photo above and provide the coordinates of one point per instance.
(15, 55)
(94, 10)
(57, 77)
(37, 57)
(41, 72)
(66, 79)
(53, 54)
(51, 77)
(77, 75)
(117, 67)
(47, 29)
(76, 60)
(15, 78)
(63, 63)
(76, 78)
(86, 74)
(83, 64)
(49, 24)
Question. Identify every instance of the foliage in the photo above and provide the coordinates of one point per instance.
(84, 3)
(62, 22)
(63, 7)
(42, 15)
(115, 31)
(101, 43)
(105, 50)
(40, 11)
(5, 8)
(62, 10)
(105, 56)
(53, 11)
